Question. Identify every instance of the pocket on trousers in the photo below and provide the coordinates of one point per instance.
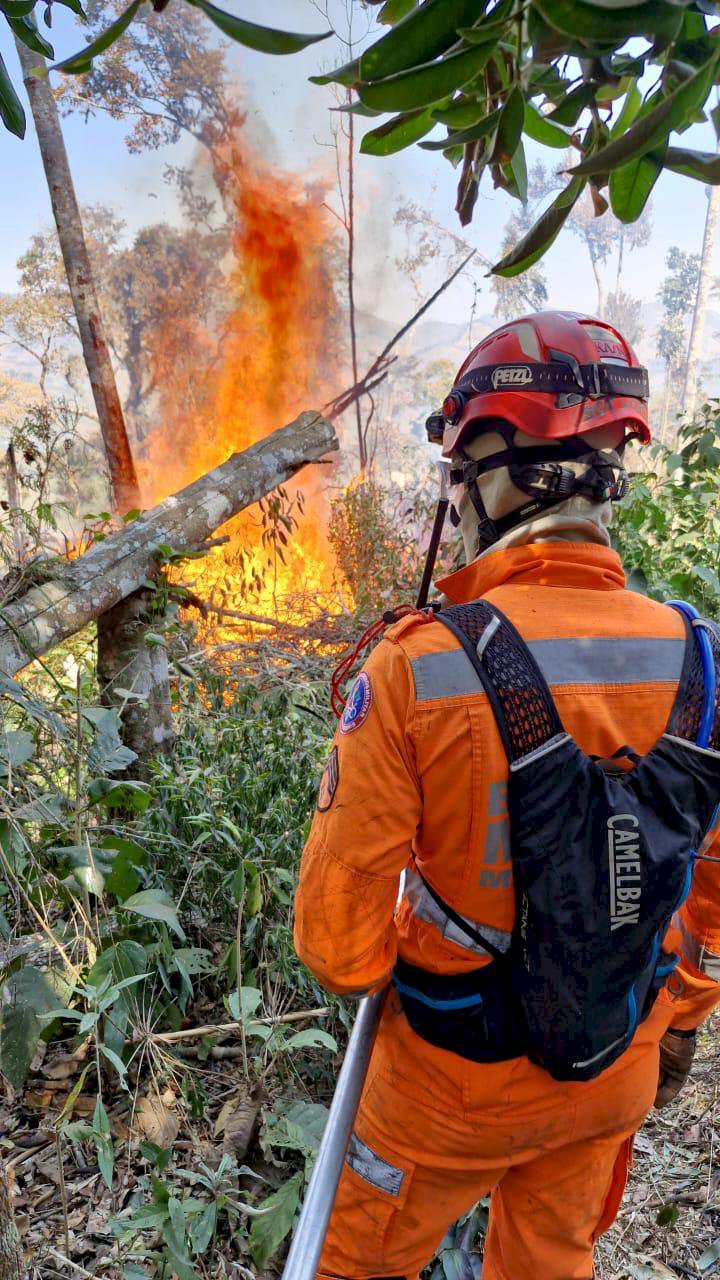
(618, 1183)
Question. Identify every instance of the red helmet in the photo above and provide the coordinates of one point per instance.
(552, 375)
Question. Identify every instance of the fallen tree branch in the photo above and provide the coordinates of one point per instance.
(219, 1028)
(81, 590)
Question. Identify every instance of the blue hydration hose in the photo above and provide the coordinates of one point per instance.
(707, 719)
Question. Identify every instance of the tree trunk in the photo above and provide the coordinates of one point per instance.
(13, 493)
(12, 1266)
(83, 589)
(701, 301)
(127, 662)
(600, 285)
(123, 478)
(350, 225)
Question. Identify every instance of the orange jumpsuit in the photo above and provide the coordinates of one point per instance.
(419, 777)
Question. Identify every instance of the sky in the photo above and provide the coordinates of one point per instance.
(293, 119)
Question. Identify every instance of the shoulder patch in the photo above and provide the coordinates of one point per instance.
(358, 704)
(329, 782)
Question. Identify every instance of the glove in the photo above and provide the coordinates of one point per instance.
(677, 1050)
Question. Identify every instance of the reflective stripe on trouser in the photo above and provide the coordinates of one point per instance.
(434, 1134)
(424, 907)
(695, 952)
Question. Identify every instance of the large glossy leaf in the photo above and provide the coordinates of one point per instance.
(426, 85)
(11, 109)
(463, 111)
(480, 130)
(510, 126)
(702, 165)
(542, 234)
(27, 32)
(651, 129)
(630, 186)
(27, 996)
(269, 1231)
(348, 74)
(540, 129)
(397, 133)
(16, 8)
(155, 904)
(569, 110)
(394, 10)
(262, 39)
(421, 36)
(628, 111)
(575, 18)
(81, 62)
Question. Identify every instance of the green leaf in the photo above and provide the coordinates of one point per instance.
(652, 128)
(542, 234)
(462, 112)
(628, 111)
(28, 996)
(267, 1233)
(425, 85)
(103, 1142)
(122, 879)
(418, 38)
(17, 8)
(541, 129)
(17, 746)
(668, 1215)
(704, 166)
(348, 74)
(572, 105)
(135, 796)
(116, 1062)
(296, 1126)
(262, 39)
(397, 133)
(81, 62)
(312, 1038)
(516, 172)
(630, 187)
(574, 18)
(480, 130)
(155, 904)
(27, 32)
(11, 109)
(510, 126)
(203, 1228)
(394, 10)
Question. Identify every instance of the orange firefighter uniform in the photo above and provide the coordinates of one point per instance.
(417, 777)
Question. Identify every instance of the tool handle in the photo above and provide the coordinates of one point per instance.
(309, 1236)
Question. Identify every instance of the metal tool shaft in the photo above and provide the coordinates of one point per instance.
(309, 1237)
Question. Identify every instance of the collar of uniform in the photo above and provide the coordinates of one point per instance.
(544, 564)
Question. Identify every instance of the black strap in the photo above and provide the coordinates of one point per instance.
(589, 381)
(461, 923)
(518, 692)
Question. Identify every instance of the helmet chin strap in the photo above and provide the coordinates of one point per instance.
(544, 479)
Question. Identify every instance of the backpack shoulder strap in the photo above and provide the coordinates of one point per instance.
(518, 692)
(695, 714)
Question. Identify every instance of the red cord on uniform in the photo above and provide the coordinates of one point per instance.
(373, 632)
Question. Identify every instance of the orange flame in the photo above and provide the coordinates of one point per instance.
(278, 353)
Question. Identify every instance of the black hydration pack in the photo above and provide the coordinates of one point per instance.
(601, 859)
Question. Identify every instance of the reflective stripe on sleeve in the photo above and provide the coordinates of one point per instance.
(706, 962)
(592, 660)
(424, 907)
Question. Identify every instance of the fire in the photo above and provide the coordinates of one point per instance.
(277, 354)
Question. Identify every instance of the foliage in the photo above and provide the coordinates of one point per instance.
(556, 71)
(19, 15)
(668, 529)
(375, 548)
(677, 295)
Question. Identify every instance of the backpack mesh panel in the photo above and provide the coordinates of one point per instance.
(686, 714)
(529, 714)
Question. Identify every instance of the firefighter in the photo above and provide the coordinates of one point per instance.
(414, 801)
